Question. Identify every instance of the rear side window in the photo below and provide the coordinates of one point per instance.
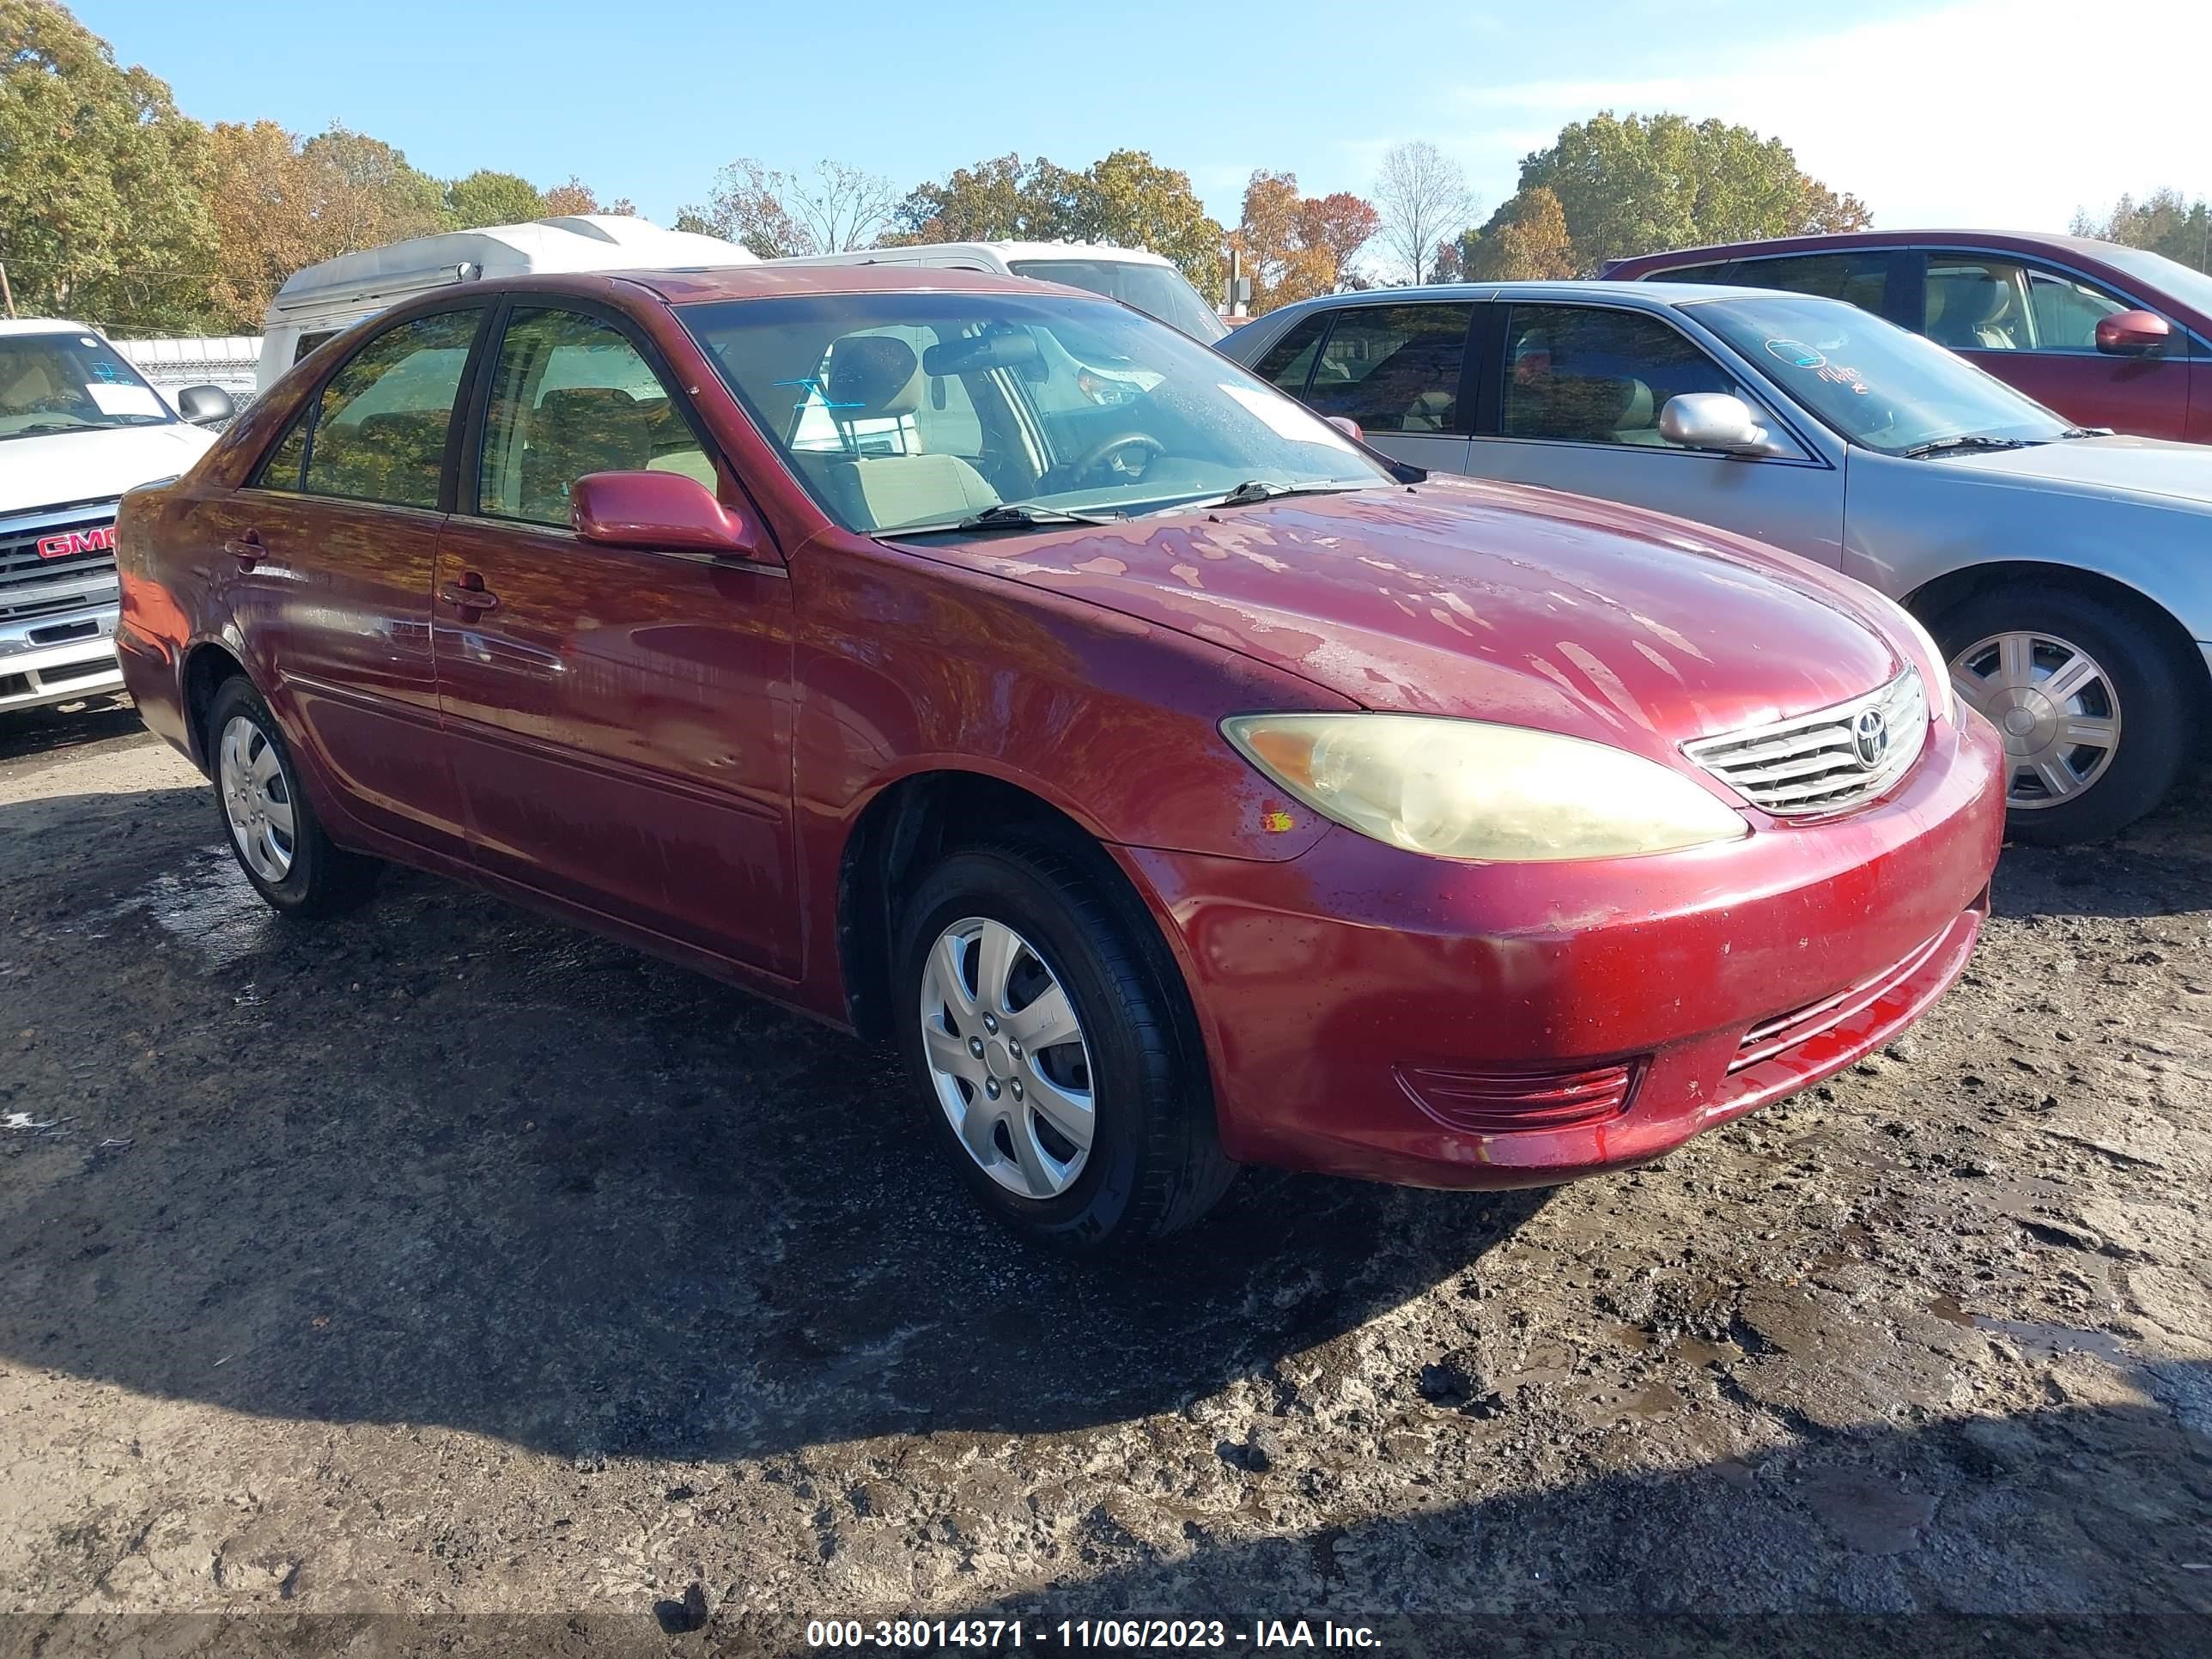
(1858, 278)
(1394, 369)
(1290, 360)
(1583, 375)
(1687, 274)
(377, 430)
(572, 395)
(309, 343)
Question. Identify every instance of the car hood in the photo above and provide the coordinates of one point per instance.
(1493, 601)
(2135, 466)
(55, 469)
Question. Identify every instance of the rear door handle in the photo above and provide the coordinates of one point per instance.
(468, 594)
(245, 547)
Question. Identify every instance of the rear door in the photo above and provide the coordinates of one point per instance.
(325, 557)
(621, 719)
(1576, 406)
(1401, 371)
(2034, 326)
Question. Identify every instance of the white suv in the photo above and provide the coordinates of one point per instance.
(78, 427)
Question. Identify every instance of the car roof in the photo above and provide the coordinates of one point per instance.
(43, 326)
(770, 281)
(2089, 247)
(1642, 296)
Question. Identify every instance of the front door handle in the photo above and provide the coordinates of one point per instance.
(245, 547)
(468, 595)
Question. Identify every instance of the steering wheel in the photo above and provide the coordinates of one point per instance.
(1097, 455)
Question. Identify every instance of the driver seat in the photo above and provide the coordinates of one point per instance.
(875, 377)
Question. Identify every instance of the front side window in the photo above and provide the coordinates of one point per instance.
(1583, 375)
(1871, 381)
(66, 381)
(1289, 361)
(572, 395)
(1858, 278)
(1394, 369)
(376, 431)
(1062, 405)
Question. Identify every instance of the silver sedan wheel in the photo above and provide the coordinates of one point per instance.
(2055, 707)
(1006, 1055)
(256, 799)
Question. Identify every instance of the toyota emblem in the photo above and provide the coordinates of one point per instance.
(1870, 738)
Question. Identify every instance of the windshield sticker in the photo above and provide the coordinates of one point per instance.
(87, 340)
(115, 399)
(1798, 355)
(1286, 419)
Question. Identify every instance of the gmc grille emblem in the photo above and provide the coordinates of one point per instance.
(69, 543)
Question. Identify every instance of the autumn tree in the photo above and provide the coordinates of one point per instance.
(1638, 184)
(485, 198)
(1296, 246)
(102, 210)
(2164, 222)
(1531, 246)
(577, 197)
(1422, 195)
(828, 209)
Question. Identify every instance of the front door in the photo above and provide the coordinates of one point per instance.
(2035, 328)
(326, 557)
(1581, 391)
(620, 719)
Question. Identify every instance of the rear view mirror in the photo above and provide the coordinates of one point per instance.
(661, 511)
(203, 405)
(1005, 347)
(1713, 420)
(2125, 333)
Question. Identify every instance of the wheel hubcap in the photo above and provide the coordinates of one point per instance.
(1006, 1055)
(2055, 707)
(256, 799)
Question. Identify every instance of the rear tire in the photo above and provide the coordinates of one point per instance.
(1126, 1044)
(267, 820)
(2125, 688)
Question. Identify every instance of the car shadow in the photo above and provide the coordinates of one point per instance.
(443, 1161)
(65, 726)
(2161, 865)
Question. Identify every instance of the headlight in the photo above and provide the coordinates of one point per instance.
(1465, 789)
(1940, 697)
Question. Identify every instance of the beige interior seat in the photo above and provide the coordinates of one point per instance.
(876, 376)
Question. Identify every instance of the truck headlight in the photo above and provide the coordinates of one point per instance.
(1468, 789)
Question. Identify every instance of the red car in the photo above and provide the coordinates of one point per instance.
(983, 665)
(2105, 334)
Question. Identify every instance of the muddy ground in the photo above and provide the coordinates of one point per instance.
(447, 1261)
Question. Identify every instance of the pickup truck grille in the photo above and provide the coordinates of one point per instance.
(1828, 761)
(55, 561)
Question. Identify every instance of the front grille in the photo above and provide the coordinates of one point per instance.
(1817, 764)
(1771, 1039)
(33, 584)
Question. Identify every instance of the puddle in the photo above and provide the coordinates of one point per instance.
(208, 907)
(2049, 1341)
(1946, 1309)
(1704, 1355)
(1869, 1512)
(1653, 1400)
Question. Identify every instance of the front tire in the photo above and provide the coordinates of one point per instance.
(266, 818)
(1054, 1048)
(2092, 701)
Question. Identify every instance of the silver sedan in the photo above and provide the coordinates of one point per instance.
(2067, 573)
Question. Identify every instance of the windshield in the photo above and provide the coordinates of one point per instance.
(1871, 381)
(70, 382)
(1157, 290)
(2182, 284)
(904, 409)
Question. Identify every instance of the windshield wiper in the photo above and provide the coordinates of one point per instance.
(1263, 489)
(1007, 515)
(1969, 441)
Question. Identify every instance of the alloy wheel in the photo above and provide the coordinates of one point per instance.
(256, 799)
(2054, 704)
(1006, 1054)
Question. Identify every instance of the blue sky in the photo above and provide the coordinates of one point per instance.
(1932, 113)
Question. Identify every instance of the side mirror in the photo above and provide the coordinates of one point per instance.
(1349, 427)
(203, 405)
(1713, 420)
(665, 512)
(2125, 333)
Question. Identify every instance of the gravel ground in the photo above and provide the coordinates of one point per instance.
(446, 1262)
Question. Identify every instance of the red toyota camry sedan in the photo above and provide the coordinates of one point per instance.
(983, 666)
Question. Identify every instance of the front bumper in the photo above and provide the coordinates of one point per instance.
(58, 657)
(1370, 1012)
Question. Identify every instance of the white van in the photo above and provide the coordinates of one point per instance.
(326, 299)
(78, 427)
(1134, 276)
